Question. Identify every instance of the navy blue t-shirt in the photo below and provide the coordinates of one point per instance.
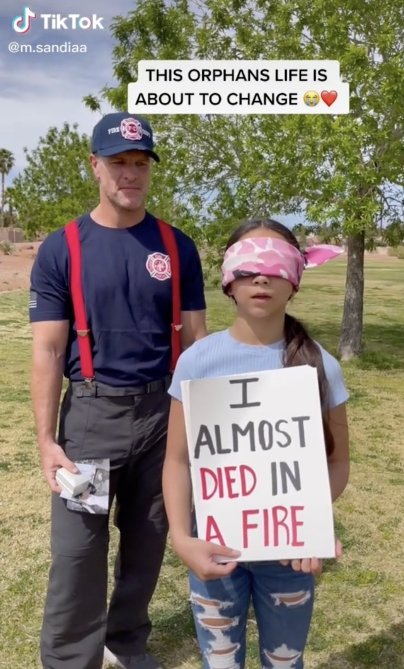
(127, 293)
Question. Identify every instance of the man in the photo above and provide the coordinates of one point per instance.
(121, 414)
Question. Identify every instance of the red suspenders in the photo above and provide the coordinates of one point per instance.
(170, 245)
(76, 290)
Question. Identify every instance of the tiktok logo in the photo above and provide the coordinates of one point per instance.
(22, 24)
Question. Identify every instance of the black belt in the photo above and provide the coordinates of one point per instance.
(97, 389)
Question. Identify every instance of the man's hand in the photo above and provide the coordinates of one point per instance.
(205, 558)
(53, 457)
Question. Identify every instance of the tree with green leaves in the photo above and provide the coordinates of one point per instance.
(6, 165)
(337, 170)
(9, 217)
(57, 184)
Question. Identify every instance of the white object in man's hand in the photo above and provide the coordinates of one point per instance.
(73, 484)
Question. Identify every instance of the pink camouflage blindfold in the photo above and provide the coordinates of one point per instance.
(273, 257)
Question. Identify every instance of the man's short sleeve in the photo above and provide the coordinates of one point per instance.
(192, 288)
(49, 293)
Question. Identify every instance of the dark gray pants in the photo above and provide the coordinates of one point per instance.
(131, 431)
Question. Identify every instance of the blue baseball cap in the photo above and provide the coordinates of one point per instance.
(122, 131)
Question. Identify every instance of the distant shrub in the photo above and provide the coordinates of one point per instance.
(397, 251)
(6, 247)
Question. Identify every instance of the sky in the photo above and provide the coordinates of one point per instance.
(40, 90)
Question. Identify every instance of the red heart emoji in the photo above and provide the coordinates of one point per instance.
(329, 97)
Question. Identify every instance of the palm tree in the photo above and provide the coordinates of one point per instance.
(6, 164)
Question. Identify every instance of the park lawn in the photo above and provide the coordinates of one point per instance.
(358, 620)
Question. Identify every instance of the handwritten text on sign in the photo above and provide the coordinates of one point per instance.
(258, 463)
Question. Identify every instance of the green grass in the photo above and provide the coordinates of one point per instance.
(358, 621)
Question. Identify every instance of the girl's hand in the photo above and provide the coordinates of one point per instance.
(312, 565)
(206, 559)
(306, 565)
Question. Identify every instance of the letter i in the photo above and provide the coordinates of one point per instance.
(220, 481)
(274, 479)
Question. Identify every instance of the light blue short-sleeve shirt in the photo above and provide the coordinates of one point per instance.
(219, 354)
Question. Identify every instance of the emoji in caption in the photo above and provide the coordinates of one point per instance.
(311, 98)
(329, 97)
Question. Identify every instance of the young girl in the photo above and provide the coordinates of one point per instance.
(261, 272)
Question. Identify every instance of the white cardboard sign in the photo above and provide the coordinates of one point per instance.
(258, 463)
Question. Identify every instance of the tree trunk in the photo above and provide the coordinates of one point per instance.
(2, 199)
(350, 343)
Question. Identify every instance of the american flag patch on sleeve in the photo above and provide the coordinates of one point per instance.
(33, 300)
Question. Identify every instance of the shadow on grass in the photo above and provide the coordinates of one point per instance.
(174, 639)
(384, 651)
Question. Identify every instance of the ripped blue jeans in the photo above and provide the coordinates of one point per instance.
(283, 605)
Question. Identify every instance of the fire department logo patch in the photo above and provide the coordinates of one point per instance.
(131, 128)
(158, 266)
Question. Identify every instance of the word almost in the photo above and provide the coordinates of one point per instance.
(251, 436)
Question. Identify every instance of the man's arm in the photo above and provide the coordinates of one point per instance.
(48, 356)
(193, 327)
